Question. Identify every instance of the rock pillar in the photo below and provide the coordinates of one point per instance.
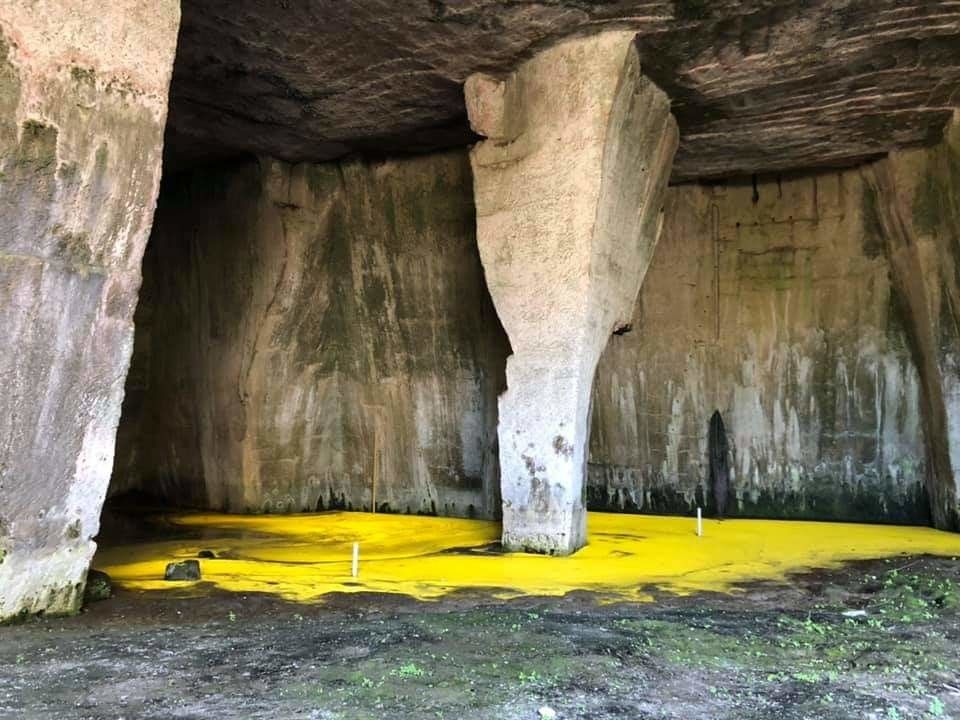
(569, 184)
(83, 102)
(912, 199)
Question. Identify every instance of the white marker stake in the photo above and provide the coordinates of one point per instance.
(356, 559)
(699, 523)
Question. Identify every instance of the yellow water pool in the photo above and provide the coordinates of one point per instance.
(304, 557)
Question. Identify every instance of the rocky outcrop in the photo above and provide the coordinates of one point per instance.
(756, 85)
(83, 98)
(316, 336)
(569, 188)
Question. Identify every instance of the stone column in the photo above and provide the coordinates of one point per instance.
(569, 187)
(912, 200)
(83, 103)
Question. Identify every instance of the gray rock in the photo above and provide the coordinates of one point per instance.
(183, 570)
(98, 587)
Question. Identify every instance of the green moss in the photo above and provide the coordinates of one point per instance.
(873, 235)
(73, 530)
(814, 648)
(9, 98)
(419, 205)
(98, 587)
(68, 171)
(691, 9)
(822, 496)
(37, 152)
(321, 180)
(83, 75)
(60, 601)
(390, 213)
(824, 390)
(930, 203)
(73, 248)
(101, 158)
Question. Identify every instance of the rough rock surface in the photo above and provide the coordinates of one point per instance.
(309, 335)
(98, 587)
(817, 313)
(756, 84)
(913, 202)
(182, 570)
(569, 187)
(771, 303)
(83, 98)
(815, 367)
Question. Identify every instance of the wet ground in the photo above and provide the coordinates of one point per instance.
(878, 639)
(306, 557)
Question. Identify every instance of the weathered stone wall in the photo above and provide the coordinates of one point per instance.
(307, 331)
(912, 201)
(774, 304)
(83, 99)
(305, 328)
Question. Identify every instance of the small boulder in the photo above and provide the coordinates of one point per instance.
(99, 587)
(183, 570)
(206, 555)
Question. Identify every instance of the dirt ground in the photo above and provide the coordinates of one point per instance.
(771, 651)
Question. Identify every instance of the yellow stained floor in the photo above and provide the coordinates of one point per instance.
(304, 557)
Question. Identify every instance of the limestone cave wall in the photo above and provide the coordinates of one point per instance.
(83, 103)
(823, 330)
(309, 332)
(913, 201)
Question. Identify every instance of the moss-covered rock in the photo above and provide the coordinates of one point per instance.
(98, 587)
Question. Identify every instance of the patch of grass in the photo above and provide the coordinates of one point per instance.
(410, 670)
(936, 708)
(531, 677)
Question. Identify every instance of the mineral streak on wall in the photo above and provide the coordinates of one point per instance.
(311, 334)
(83, 100)
(822, 328)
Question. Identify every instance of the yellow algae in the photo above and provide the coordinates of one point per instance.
(304, 557)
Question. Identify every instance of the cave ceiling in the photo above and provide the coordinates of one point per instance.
(756, 86)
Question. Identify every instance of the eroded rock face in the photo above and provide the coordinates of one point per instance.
(568, 185)
(312, 335)
(755, 85)
(83, 98)
(816, 312)
(812, 357)
(772, 304)
(912, 200)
